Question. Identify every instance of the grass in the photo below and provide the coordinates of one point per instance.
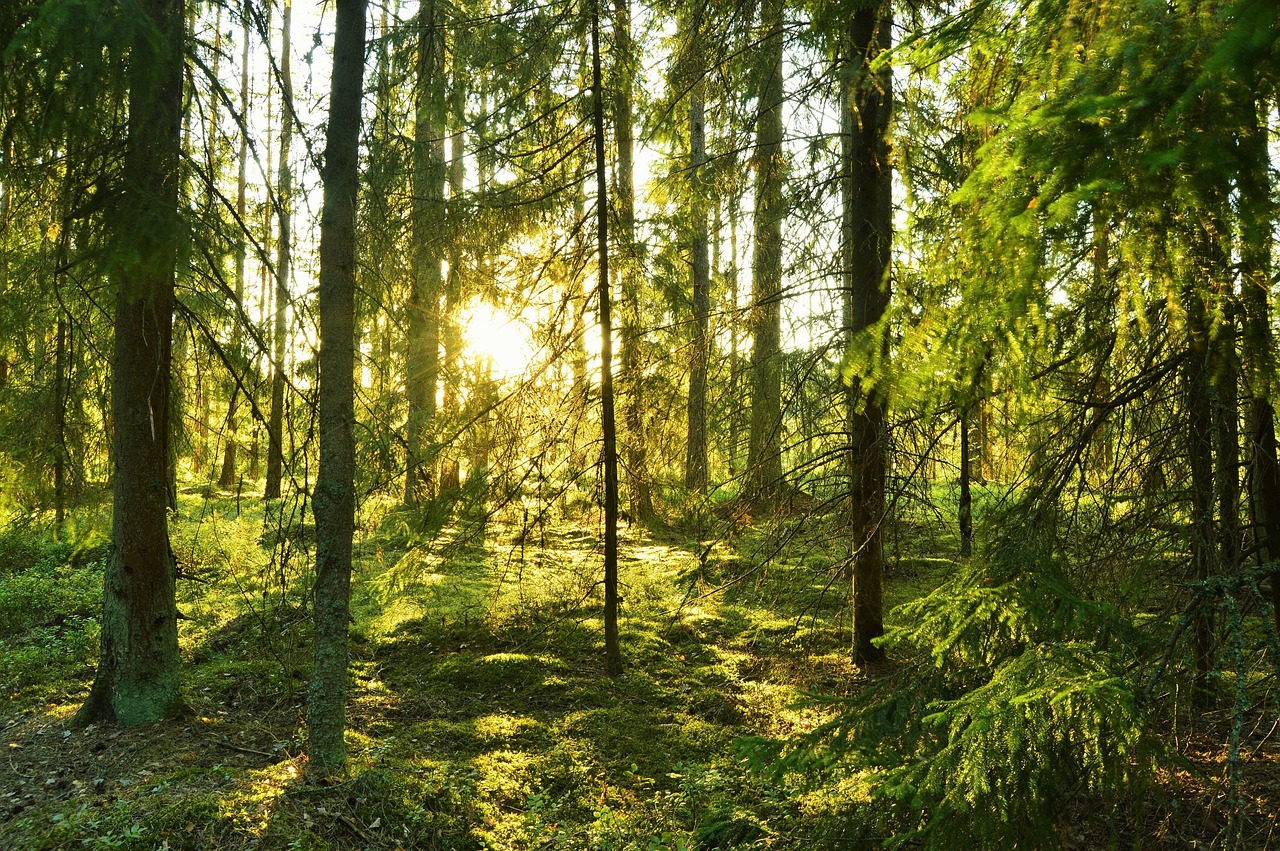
(480, 715)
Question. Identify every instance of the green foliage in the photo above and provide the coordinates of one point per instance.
(50, 604)
(41, 586)
(1024, 701)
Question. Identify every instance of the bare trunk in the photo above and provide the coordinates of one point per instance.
(423, 367)
(631, 375)
(284, 190)
(764, 445)
(695, 469)
(966, 496)
(1258, 217)
(612, 650)
(138, 676)
(450, 468)
(334, 502)
(227, 477)
(868, 232)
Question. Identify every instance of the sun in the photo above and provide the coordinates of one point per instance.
(490, 333)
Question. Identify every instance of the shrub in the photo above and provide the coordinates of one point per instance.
(1024, 698)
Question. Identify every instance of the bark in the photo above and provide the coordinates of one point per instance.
(867, 237)
(764, 444)
(735, 426)
(284, 196)
(284, 190)
(1226, 430)
(1258, 347)
(61, 381)
(613, 653)
(60, 417)
(227, 477)
(334, 500)
(1200, 458)
(138, 676)
(450, 467)
(695, 469)
(631, 377)
(966, 496)
(423, 366)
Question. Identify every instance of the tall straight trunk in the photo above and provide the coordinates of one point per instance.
(227, 477)
(451, 331)
(735, 294)
(695, 468)
(612, 650)
(764, 445)
(60, 422)
(138, 677)
(966, 495)
(284, 196)
(631, 377)
(6, 208)
(867, 188)
(1258, 347)
(264, 273)
(334, 501)
(581, 298)
(423, 366)
(1226, 436)
(1199, 402)
(61, 379)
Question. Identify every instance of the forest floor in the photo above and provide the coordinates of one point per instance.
(480, 714)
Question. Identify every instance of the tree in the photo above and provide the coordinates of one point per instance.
(867, 183)
(613, 653)
(695, 475)
(640, 490)
(284, 255)
(764, 448)
(227, 476)
(138, 678)
(426, 282)
(334, 500)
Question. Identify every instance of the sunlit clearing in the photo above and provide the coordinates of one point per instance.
(490, 333)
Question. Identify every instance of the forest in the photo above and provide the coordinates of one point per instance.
(500, 424)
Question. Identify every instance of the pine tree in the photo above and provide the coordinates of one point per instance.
(334, 500)
(138, 678)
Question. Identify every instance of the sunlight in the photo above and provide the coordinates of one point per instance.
(491, 333)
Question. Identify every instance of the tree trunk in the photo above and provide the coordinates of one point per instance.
(284, 198)
(764, 446)
(227, 477)
(966, 496)
(867, 236)
(695, 468)
(423, 367)
(138, 677)
(612, 651)
(735, 373)
(1258, 349)
(334, 500)
(631, 377)
(1200, 444)
(61, 378)
(450, 468)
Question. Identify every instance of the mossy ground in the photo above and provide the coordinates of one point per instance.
(480, 715)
